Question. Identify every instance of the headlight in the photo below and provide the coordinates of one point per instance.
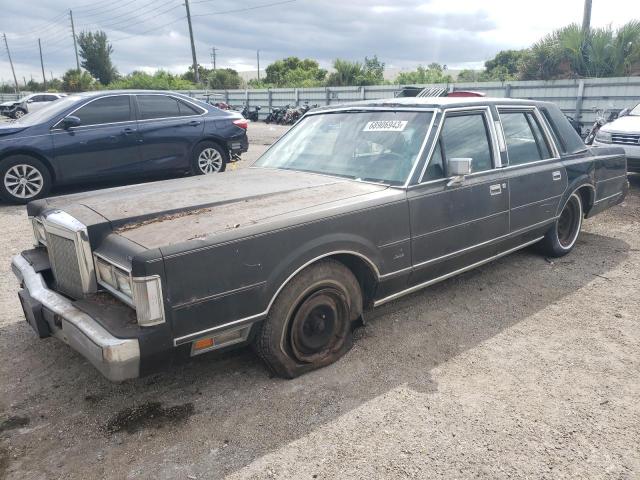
(603, 137)
(114, 279)
(147, 296)
(39, 234)
(142, 293)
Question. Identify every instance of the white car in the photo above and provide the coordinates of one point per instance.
(624, 132)
(27, 104)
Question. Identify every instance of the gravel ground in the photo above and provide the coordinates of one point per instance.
(523, 368)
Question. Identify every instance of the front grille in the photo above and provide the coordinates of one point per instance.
(65, 266)
(626, 138)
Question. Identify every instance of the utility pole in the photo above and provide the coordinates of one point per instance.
(213, 57)
(196, 75)
(75, 43)
(586, 16)
(44, 78)
(258, 57)
(6, 45)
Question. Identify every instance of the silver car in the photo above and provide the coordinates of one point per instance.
(27, 104)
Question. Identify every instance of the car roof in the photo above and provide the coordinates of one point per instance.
(434, 102)
(124, 92)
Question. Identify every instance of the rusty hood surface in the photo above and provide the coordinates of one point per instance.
(169, 212)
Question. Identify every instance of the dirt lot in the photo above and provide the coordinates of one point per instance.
(524, 368)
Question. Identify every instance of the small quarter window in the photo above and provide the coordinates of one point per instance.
(435, 170)
(523, 135)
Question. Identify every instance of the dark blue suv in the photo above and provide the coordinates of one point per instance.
(115, 135)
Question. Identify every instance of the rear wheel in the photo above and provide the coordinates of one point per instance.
(208, 158)
(23, 178)
(309, 324)
(562, 236)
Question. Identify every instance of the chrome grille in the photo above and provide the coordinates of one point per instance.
(65, 266)
(626, 138)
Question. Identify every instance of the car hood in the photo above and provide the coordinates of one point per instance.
(9, 128)
(165, 213)
(8, 104)
(628, 124)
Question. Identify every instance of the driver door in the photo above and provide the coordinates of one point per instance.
(456, 225)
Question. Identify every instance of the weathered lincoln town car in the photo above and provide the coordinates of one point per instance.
(355, 206)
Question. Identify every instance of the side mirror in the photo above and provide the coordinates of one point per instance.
(458, 169)
(70, 122)
(30, 100)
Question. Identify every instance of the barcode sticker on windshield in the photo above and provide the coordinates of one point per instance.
(385, 126)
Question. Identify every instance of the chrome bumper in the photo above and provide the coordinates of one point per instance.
(116, 358)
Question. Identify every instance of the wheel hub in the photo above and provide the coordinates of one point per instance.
(23, 181)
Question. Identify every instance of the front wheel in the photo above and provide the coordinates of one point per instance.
(208, 158)
(561, 237)
(23, 178)
(309, 324)
(19, 114)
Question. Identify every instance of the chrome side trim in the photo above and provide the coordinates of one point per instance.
(459, 224)
(258, 316)
(116, 358)
(482, 244)
(420, 286)
(537, 201)
(608, 197)
(612, 178)
(216, 296)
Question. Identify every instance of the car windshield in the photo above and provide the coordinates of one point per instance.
(635, 111)
(375, 146)
(48, 112)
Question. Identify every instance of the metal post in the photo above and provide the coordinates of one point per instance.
(362, 93)
(296, 96)
(270, 99)
(586, 16)
(44, 78)
(213, 57)
(507, 90)
(258, 58)
(579, 98)
(75, 42)
(196, 74)
(327, 92)
(6, 45)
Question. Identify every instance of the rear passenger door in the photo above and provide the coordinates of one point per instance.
(170, 127)
(456, 225)
(536, 176)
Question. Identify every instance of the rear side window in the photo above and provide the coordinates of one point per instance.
(466, 136)
(163, 106)
(105, 110)
(524, 138)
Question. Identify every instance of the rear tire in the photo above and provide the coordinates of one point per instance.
(309, 324)
(208, 158)
(562, 236)
(23, 179)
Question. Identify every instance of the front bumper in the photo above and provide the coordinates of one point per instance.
(117, 359)
(8, 111)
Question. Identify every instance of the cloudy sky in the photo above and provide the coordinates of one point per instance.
(152, 34)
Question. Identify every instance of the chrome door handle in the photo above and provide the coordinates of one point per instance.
(556, 176)
(194, 123)
(495, 189)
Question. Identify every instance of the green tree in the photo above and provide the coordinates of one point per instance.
(434, 73)
(294, 72)
(78, 81)
(160, 80)
(348, 73)
(506, 60)
(96, 52)
(224, 78)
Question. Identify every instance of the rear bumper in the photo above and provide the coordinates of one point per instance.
(47, 311)
(239, 145)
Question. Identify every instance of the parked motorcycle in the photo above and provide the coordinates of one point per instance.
(251, 114)
(602, 117)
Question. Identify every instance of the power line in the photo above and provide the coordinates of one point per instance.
(239, 10)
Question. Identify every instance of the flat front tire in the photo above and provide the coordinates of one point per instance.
(562, 236)
(310, 323)
(23, 179)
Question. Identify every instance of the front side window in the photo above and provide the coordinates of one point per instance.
(105, 110)
(524, 138)
(467, 136)
(376, 146)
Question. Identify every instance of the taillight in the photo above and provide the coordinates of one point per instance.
(242, 123)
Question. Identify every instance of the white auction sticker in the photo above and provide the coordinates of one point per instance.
(385, 126)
